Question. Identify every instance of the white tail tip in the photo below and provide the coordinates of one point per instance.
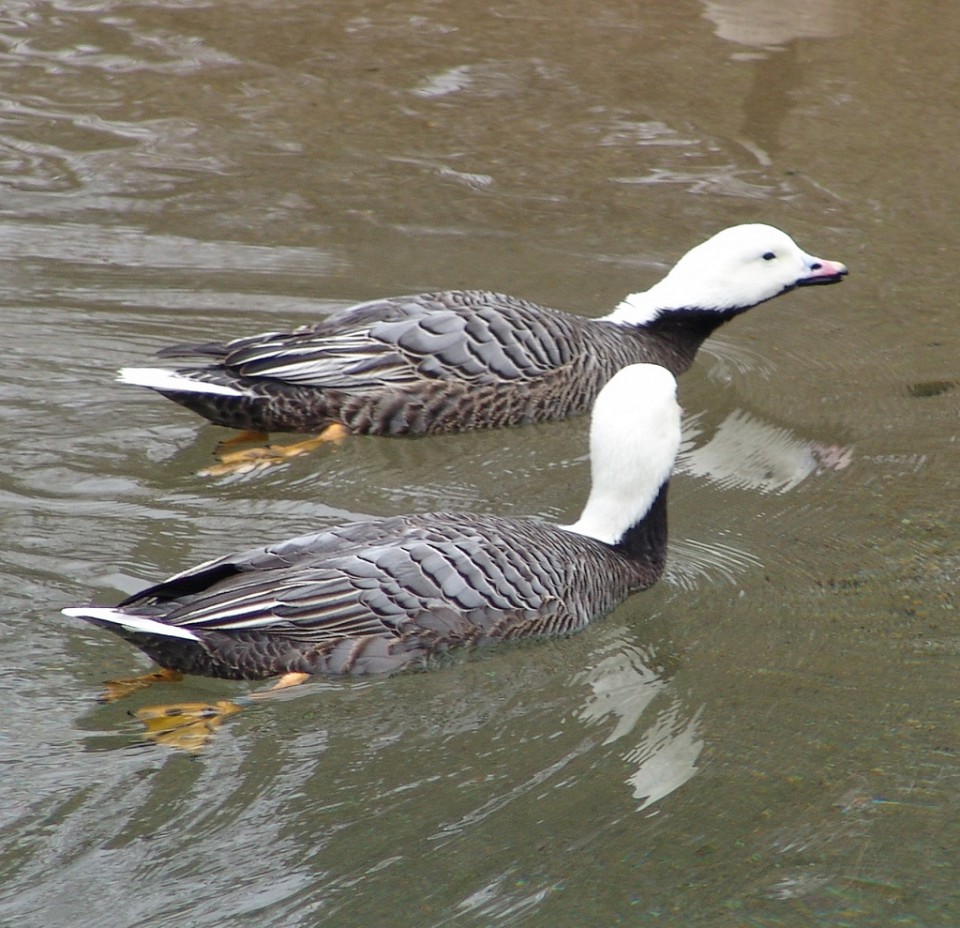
(156, 378)
(133, 623)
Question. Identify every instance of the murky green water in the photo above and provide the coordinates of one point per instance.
(769, 737)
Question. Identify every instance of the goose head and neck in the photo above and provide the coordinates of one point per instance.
(725, 275)
(634, 439)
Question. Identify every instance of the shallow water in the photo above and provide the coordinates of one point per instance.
(769, 737)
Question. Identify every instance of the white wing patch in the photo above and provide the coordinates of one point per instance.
(336, 362)
(134, 623)
(156, 378)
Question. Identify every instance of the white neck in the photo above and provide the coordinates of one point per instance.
(671, 293)
(636, 309)
(634, 439)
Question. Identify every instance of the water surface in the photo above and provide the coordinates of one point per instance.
(769, 737)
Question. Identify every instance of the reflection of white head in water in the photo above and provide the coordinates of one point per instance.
(747, 452)
(763, 23)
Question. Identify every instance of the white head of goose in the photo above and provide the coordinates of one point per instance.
(466, 359)
(380, 596)
(735, 270)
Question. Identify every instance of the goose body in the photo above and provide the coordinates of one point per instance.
(383, 595)
(468, 359)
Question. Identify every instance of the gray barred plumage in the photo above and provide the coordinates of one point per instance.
(467, 359)
(389, 594)
(386, 595)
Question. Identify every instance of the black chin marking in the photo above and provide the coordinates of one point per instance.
(816, 281)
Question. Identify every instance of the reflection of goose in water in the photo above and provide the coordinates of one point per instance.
(773, 31)
(748, 453)
(625, 683)
(766, 23)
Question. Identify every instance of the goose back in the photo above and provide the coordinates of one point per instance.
(430, 363)
(389, 594)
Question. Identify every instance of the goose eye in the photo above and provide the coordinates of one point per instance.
(769, 256)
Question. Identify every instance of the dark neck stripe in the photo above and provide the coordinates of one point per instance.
(697, 323)
(646, 540)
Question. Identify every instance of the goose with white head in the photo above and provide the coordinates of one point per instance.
(465, 359)
(735, 270)
(389, 594)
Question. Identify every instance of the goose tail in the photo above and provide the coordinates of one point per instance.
(129, 623)
(156, 378)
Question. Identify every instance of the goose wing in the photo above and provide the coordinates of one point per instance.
(461, 577)
(474, 336)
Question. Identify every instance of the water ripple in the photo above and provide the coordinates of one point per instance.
(693, 563)
(132, 247)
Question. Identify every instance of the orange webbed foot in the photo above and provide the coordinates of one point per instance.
(251, 459)
(117, 689)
